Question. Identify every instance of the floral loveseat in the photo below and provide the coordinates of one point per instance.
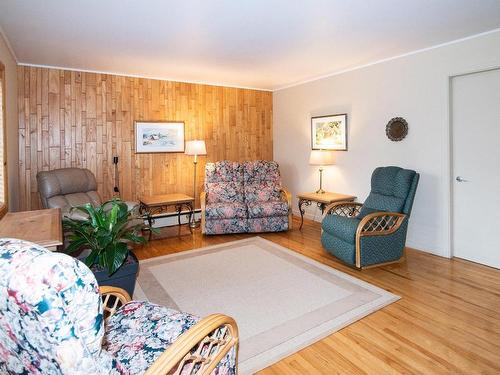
(52, 322)
(244, 197)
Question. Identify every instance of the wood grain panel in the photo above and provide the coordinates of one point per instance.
(79, 119)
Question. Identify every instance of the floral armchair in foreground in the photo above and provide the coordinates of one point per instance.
(52, 322)
(244, 197)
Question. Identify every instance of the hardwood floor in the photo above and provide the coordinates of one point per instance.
(447, 321)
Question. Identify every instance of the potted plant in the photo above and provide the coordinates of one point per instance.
(104, 234)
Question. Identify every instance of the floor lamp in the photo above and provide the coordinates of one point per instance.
(195, 148)
(321, 158)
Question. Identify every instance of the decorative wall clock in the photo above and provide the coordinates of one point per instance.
(396, 129)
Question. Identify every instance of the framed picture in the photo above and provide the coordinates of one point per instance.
(159, 136)
(329, 132)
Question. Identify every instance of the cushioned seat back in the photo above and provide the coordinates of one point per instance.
(262, 180)
(67, 187)
(224, 182)
(51, 318)
(392, 190)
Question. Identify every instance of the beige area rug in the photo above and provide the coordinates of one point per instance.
(281, 300)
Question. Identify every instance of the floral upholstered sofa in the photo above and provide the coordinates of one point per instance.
(244, 197)
(52, 321)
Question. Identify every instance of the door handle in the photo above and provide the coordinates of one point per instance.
(461, 179)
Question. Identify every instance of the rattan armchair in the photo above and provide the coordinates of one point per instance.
(201, 347)
(373, 233)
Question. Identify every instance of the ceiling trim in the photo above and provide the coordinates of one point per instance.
(332, 74)
(7, 43)
(208, 83)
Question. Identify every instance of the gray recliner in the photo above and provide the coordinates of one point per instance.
(68, 187)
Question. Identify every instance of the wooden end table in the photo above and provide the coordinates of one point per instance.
(157, 204)
(322, 200)
(43, 227)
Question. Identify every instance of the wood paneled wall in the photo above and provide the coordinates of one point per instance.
(78, 119)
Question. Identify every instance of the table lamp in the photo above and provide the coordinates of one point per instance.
(321, 158)
(195, 148)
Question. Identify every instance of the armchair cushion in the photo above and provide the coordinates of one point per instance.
(341, 227)
(223, 210)
(139, 332)
(267, 209)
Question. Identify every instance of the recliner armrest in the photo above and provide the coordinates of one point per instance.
(345, 208)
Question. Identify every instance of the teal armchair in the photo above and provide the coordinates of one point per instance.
(373, 233)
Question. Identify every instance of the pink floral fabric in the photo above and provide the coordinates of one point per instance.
(267, 209)
(224, 182)
(226, 210)
(262, 181)
(268, 224)
(51, 320)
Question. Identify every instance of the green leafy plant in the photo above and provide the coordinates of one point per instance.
(106, 233)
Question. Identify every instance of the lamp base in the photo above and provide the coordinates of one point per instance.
(194, 224)
(320, 191)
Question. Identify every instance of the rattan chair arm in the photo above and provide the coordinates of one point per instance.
(286, 195)
(186, 349)
(380, 224)
(110, 305)
(337, 208)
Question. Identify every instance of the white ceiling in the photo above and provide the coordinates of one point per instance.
(263, 44)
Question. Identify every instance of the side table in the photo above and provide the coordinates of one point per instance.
(157, 204)
(322, 200)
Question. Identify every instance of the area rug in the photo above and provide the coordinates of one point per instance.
(282, 301)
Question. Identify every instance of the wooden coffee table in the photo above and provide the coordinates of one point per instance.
(43, 227)
(157, 204)
(322, 200)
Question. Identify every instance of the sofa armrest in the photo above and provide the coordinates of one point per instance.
(345, 208)
(287, 196)
(217, 332)
(203, 205)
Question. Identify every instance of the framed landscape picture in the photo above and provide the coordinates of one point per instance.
(159, 136)
(329, 132)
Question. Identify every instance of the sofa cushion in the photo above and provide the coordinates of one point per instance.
(267, 209)
(262, 191)
(224, 182)
(341, 227)
(268, 224)
(261, 180)
(223, 226)
(224, 171)
(139, 332)
(230, 192)
(226, 210)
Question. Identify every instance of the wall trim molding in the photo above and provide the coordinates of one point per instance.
(207, 83)
(358, 67)
(7, 43)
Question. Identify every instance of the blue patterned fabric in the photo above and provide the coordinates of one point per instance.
(392, 190)
(343, 227)
(51, 320)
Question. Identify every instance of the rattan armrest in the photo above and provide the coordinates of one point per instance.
(217, 331)
(203, 205)
(344, 208)
(112, 298)
(380, 224)
(287, 196)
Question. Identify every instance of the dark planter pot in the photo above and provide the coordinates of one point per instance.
(123, 278)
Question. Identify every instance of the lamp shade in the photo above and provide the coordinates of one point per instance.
(320, 157)
(195, 148)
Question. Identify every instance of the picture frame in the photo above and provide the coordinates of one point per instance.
(329, 132)
(158, 136)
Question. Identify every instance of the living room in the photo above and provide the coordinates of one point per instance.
(249, 187)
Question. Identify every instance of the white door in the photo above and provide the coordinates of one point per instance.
(476, 167)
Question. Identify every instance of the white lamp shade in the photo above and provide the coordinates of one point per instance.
(320, 157)
(195, 148)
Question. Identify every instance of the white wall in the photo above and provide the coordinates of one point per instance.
(415, 87)
(12, 141)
